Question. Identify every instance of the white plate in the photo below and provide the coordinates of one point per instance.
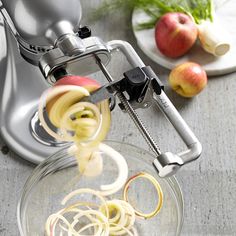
(226, 15)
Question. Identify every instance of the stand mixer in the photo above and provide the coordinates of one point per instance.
(49, 38)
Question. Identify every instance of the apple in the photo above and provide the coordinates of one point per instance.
(88, 83)
(188, 79)
(175, 34)
(85, 82)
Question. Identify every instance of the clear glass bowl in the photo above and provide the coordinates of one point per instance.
(58, 175)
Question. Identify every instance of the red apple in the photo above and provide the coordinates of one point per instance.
(188, 79)
(175, 34)
(90, 84)
(85, 82)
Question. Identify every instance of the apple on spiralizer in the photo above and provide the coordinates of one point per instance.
(86, 82)
(175, 34)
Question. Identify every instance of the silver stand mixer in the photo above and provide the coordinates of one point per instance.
(41, 41)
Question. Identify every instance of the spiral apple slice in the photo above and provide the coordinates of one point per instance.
(83, 123)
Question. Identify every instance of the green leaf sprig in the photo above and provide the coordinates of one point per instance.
(198, 10)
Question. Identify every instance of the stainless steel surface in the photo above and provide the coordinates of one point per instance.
(70, 44)
(38, 21)
(128, 51)
(40, 134)
(21, 85)
(194, 147)
(39, 24)
(99, 95)
(82, 64)
(167, 164)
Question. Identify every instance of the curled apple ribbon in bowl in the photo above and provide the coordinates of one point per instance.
(83, 123)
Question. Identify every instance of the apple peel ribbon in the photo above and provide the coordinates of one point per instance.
(83, 123)
(157, 187)
(120, 161)
(49, 95)
(111, 217)
(86, 125)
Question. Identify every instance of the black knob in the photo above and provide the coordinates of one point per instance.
(84, 32)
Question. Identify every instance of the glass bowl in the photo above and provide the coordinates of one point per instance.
(58, 175)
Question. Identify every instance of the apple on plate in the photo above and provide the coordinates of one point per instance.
(188, 79)
(175, 34)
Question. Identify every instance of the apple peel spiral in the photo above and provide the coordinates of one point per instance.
(83, 123)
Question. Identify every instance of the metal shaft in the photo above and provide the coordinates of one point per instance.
(132, 113)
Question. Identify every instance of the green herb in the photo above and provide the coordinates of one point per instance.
(199, 10)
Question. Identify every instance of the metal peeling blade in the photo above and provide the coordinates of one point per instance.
(98, 96)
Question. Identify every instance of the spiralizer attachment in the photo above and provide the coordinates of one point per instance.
(49, 37)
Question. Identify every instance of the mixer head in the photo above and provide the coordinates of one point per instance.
(41, 25)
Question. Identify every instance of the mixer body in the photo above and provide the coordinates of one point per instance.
(21, 85)
(28, 29)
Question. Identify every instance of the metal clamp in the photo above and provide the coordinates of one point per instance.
(137, 83)
(83, 63)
